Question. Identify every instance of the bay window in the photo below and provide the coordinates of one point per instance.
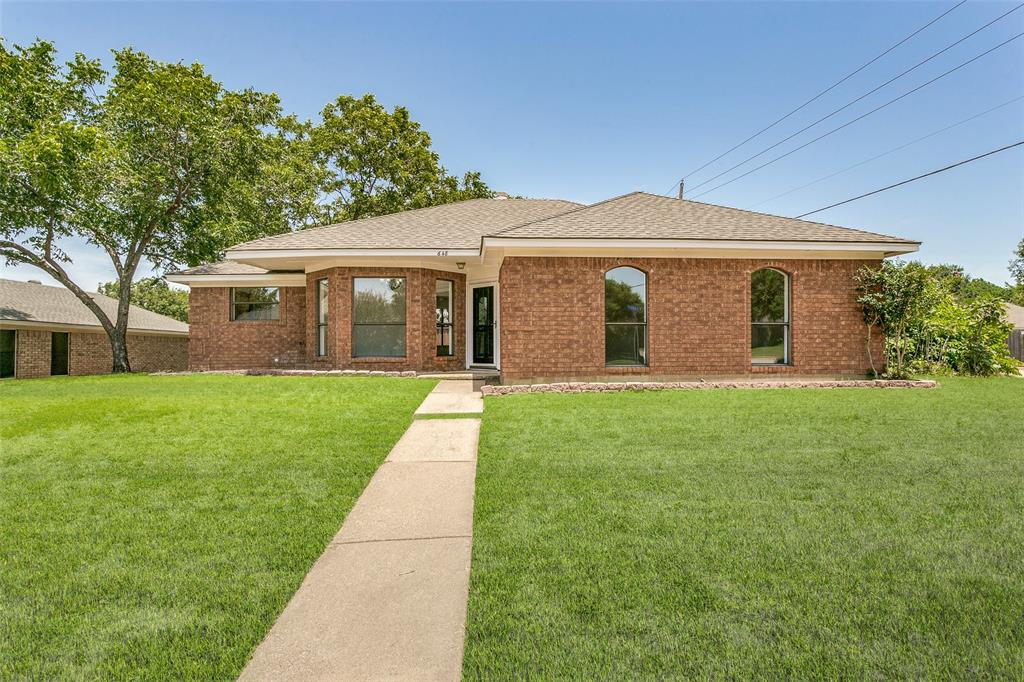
(378, 317)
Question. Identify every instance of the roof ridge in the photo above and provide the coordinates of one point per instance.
(772, 215)
(582, 207)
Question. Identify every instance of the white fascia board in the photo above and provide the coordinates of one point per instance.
(686, 244)
(87, 328)
(243, 254)
(255, 280)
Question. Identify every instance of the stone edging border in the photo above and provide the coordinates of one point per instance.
(328, 373)
(581, 387)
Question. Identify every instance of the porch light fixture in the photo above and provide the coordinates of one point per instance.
(461, 266)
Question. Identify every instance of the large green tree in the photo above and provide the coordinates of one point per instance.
(1017, 271)
(156, 161)
(372, 161)
(152, 293)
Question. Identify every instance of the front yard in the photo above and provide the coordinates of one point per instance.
(852, 533)
(154, 527)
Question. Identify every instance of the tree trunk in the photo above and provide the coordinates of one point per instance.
(119, 333)
(119, 347)
(871, 355)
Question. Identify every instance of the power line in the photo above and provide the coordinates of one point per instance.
(820, 94)
(890, 151)
(919, 177)
(862, 116)
(858, 99)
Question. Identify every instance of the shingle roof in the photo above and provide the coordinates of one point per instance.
(226, 267)
(448, 226)
(1015, 314)
(647, 216)
(31, 302)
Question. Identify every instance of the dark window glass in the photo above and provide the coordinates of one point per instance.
(8, 343)
(625, 317)
(769, 317)
(378, 317)
(321, 317)
(255, 303)
(444, 310)
(58, 353)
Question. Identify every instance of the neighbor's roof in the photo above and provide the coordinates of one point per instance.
(39, 303)
(648, 216)
(1015, 314)
(448, 226)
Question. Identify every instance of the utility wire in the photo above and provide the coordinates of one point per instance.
(886, 153)
(858, 99)
(919, 177)
(820, 94)
(862, 116)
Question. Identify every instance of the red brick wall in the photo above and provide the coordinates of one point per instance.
(219, 343)
(552, 317)
(89, 353)
(32, 353)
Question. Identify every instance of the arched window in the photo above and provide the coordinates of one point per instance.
(769, 317)
(625, 317)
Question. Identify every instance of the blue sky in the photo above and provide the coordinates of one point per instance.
(586, 101)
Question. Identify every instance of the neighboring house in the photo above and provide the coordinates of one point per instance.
(1015, 315)
(47, 331)
(636, 286)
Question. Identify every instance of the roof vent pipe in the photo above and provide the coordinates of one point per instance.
(681, 183)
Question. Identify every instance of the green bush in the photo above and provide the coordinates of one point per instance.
(968, 337)
(931, 323)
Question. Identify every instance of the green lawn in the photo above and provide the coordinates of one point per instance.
(154, 527)
(751, 534)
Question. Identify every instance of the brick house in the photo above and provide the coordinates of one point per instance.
(47, 331)
(632, 287)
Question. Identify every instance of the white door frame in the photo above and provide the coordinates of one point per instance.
(469, 324)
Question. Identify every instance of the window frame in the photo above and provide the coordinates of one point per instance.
(232, 315)
(647, 354)
(450, 325)
(404, 324)
(323, 302)
(786, 324)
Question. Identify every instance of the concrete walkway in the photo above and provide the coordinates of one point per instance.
(387, 599)
(452, 397)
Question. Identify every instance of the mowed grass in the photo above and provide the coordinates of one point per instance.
(154, 527)
(791, 534)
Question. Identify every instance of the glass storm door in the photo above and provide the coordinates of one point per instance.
(483, 326)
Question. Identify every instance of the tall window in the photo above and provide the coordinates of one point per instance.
(625, 317)
(255, 303)
(378, 317)
(444, 307)
(321, 317)
(769, 317)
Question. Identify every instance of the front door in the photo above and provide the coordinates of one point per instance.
(483, 325)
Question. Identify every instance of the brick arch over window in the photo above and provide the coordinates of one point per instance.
(770, 317)
(625, 317)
